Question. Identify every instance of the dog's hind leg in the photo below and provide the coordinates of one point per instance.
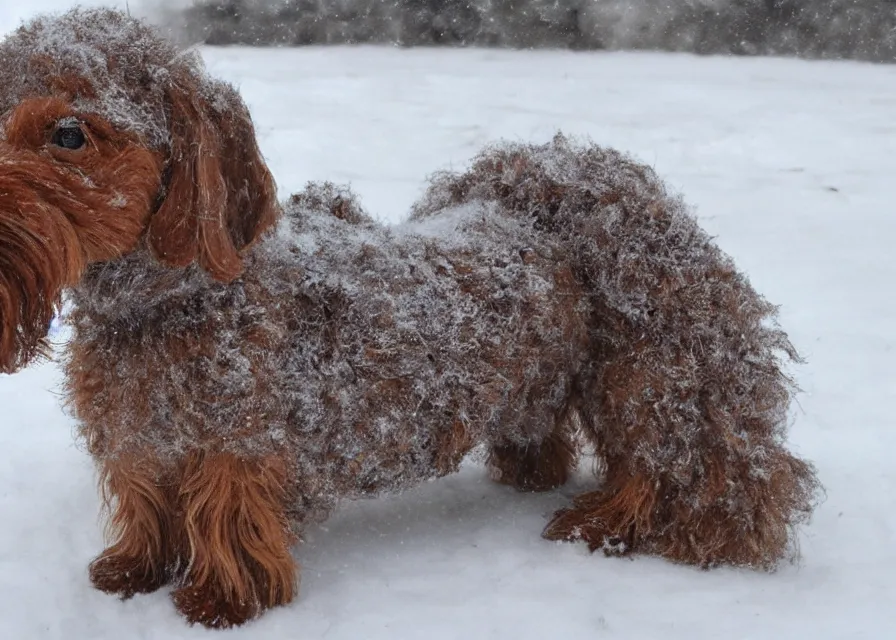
(537, 466)
(696, 470)
(237, 539)
(685, 391)
(143, 557)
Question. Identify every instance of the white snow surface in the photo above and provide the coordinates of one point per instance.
(791, 164)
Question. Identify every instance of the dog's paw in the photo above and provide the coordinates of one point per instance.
(204, 605)
(581, 524)
(124, 576)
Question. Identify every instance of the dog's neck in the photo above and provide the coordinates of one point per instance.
(135, 290)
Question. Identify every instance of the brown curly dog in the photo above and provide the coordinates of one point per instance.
(238, 367)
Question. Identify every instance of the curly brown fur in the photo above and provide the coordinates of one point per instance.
(538, 466)
(685, 398)
(238, 368)
(238, 536)
(143, 525)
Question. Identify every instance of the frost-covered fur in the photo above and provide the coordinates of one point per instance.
(238, 367)
(373, 357)
(94, 60)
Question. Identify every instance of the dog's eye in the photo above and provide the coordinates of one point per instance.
(69, 136)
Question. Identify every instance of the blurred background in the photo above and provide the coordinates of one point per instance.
(832, 29)
(829, 29)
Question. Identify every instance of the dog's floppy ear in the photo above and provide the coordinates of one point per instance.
(219, 194)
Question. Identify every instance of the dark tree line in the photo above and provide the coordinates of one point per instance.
(858, 29)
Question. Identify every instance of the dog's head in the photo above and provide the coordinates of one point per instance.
(114, 141)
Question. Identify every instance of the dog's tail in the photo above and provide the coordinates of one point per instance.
(687, 396)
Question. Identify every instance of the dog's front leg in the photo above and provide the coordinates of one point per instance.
(237, 539)
(140, 494)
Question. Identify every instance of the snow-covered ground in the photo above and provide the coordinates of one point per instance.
(791, 164)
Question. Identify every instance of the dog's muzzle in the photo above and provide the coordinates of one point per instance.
(39, 255)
